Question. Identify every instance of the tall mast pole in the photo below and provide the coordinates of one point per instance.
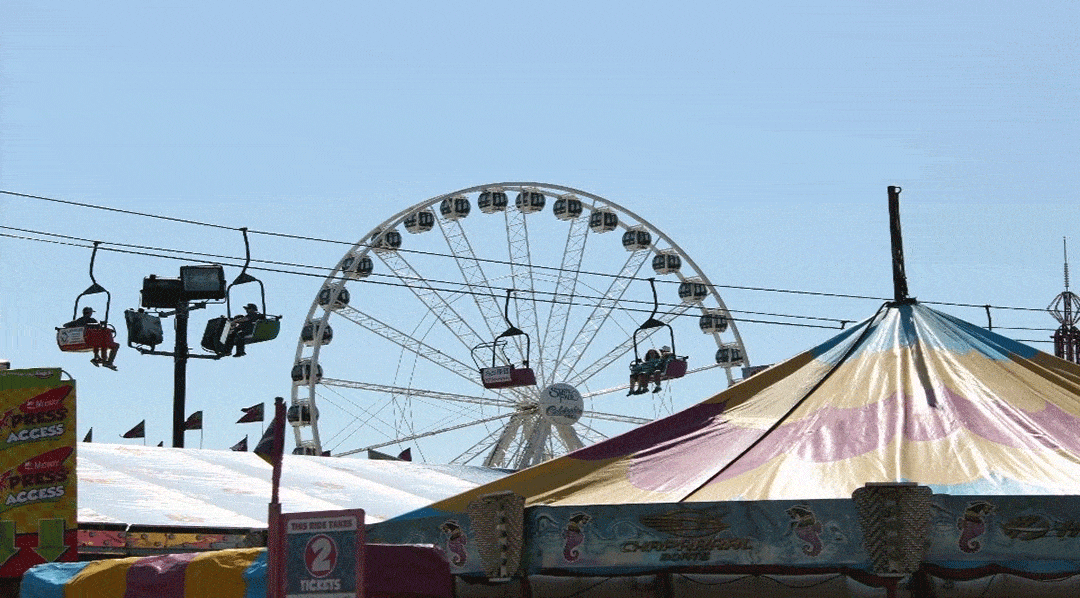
(900, 290)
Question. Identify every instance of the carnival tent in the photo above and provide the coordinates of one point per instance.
(908, 395)
(169, 487)
(912, 442)
(390, 571)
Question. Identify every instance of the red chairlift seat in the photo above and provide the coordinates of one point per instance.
(507, 376)
(77, 339)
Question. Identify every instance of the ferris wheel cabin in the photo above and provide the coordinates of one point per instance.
(729, 355)
(713, 321)
(567, 207)
(420, 221)
(307, 333)
(330, 301)
(666, 262)
(693, 290)
(356, 267)
(454, 208)
(530, 201)
(386, 241)
(492, 200)
(636, 239)
(603, 221)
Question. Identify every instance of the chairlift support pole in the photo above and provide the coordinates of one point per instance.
(180, 359)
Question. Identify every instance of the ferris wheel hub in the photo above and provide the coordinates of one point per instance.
(561, 403)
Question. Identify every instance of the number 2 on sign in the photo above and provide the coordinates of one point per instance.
(321, 555)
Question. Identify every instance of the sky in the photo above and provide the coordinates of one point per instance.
(759, 137)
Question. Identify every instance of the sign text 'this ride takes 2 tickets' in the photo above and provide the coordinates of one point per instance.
(37, 469)
(324, 554)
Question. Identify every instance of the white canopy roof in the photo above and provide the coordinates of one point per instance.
(142, 485)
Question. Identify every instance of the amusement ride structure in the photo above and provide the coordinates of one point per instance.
(502, 328)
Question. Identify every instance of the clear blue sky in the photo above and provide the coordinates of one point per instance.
(760, 137)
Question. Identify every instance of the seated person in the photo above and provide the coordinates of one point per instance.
(242, 327)
(104, 354)
(641, 371)
(87, 319)
(662, 360)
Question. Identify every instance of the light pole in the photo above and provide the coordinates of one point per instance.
(204, 284)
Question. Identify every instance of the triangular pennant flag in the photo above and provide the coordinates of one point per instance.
(251, 414)
(161, 444)
(375, 455)
(240, 446)
(194, 421)
(89, 435)
(405, 455)
(272, 443)
(139, 431)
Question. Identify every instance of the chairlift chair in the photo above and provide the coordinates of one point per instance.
(216, 337)
(668, 367)
(78, 339)
(506, 376)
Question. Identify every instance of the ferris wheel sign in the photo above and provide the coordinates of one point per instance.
(324, 554)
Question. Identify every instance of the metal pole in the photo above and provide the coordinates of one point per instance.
(900, 290)
(180, 358)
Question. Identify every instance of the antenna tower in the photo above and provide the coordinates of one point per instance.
(1066, 310)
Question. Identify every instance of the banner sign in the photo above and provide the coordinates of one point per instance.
(1032, 533)
(37, 469)
(324, 554)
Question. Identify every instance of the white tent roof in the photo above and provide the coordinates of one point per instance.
(142, 485)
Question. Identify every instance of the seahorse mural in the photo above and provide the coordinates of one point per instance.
(456, 540)
(972, 524)
(574, 535)
(807, 528)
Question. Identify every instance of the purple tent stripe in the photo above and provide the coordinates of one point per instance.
(158, 576)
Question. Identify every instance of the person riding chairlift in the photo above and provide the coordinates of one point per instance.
(654, 363)
(87, 320)
(242, 327)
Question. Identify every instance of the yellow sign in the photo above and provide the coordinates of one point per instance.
(37, 469)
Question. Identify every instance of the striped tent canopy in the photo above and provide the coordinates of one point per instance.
(390, 571)
(908, 395)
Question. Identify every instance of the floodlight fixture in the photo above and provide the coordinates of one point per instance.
(203, 282)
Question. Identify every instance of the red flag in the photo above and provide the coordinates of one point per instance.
(194, 421)
(272, 444)
(139, 431)
(251, 414)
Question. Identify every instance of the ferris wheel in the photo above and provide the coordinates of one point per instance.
(507, 278)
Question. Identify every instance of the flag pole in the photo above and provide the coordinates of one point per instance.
(276, 536)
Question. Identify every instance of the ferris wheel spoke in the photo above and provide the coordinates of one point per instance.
(568, 436)
(536, 430)
(474, 451)
(497, 457)
(473, 274)
(437, 302)
(409, 343)
(602, 311)
(554, 334)
(427, 434)
(615, 417)
(419, 392)
(592, 434)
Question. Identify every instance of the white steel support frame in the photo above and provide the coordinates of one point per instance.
(524, 436)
